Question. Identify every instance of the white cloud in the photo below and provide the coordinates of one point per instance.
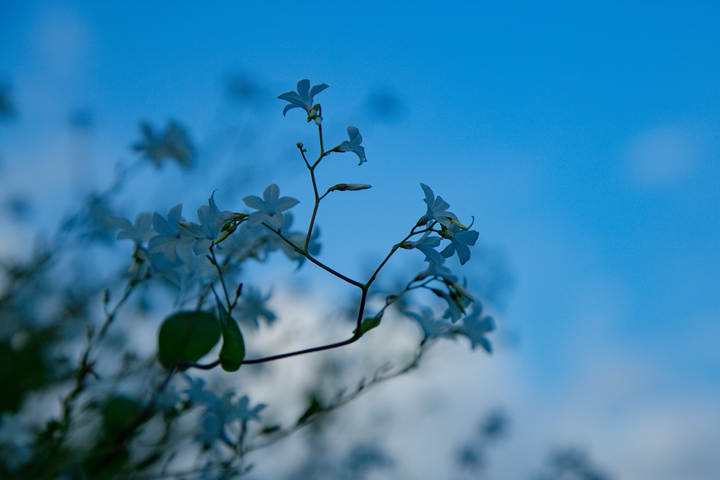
(662, 156)
(616, 406)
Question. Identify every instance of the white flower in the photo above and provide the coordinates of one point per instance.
(353, 145)
(303, 98)
(269, 208)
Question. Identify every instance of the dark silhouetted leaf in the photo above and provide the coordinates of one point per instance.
(232, 352)
(185, 337)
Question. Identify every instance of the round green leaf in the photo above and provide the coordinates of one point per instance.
(185, 337)
(232, 352)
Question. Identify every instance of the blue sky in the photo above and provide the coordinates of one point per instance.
(583, 138)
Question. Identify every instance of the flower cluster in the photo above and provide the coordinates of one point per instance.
(449, 228)
(174, 249)
(204, 257)
(475, 326)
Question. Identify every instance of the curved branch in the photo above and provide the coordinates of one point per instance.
(313, 259)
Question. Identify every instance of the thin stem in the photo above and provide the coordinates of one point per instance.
(322, 148)
(361, 310)
(329, 346)
(241, 438)
(323, 153)
(163, 385)
(311, 168)
(356, 336)
(222, 277)
(302, 152)
(320, 157)
(86, 365)
(394, 298)
(313, 259)
(385, 260)
(110, 316)
(315, 208)
(330, 270)
(208, 288)
(394, 249)
(199, 366)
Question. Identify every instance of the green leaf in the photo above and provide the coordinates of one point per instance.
(368, 324)
(185, 337)
(232, 352)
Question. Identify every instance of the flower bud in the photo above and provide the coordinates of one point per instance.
(224, 235)
(343, 187)
(455, 222)
(314, 114)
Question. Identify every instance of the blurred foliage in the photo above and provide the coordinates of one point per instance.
(472, 455)
(26, 365)
(171, 143)
(242, 88)
(385, 105)
(7, 109)
(571, 464)
(81, 119)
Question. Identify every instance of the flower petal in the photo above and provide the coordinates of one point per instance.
(285, 202)
(302, 88)
(317, 89)
(253, 201)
